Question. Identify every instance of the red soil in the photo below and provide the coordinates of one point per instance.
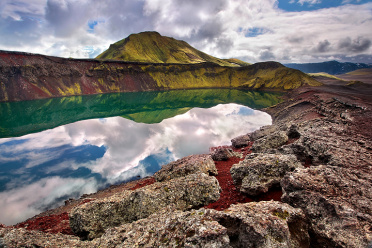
(230, 194)
(49, 224)
(144, 183)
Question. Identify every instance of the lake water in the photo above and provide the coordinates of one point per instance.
(55, 149)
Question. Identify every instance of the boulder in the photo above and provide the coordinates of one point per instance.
(264, 224)
(93, 218)
(222, 154)
(270, 141)
(256, 224)
(186, 166)
(293, 132)
(241, 141)
(259, 172)
(263, 131)
(337, 202)
(168, 228)
(20, 237)
(244, 140)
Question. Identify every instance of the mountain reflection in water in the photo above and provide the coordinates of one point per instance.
(40, 170)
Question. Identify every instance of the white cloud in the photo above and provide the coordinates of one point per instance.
(24, 202)
(217, 27)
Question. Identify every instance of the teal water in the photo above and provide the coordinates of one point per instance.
(55, 149)
(20, 118)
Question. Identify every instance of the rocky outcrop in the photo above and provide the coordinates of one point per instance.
(335, 191)
(241, 141)
(20, 237)
(222, 154)
(169, 228)
(270, 141)
(93, 218)
(337, 202)
(259, 172)
(262, 224)
(186, 166)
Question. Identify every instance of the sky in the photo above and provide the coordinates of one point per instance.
(281, 30)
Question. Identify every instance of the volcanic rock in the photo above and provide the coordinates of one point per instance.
(20, 237)
(264, 224)
(222, 154)
(241, 141)
(337, 202)
(168, 228)
(186, 166)
(263, 132)
(259, 172)
(274, 140)
(92, 219)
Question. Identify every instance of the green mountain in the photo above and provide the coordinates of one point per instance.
(154, 48)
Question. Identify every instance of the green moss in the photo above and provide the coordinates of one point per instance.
(237, 62)
(283, 215)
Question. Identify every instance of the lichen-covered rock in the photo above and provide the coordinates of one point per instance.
(168, 228)
(244, 140)
(186, 166)
(263, 132)
(337, 202)
(293, 132)
(222, 154)
(20, 237)
(241, 141)
(264, 224)
(270, 141)
(93, 218)
(259, 172)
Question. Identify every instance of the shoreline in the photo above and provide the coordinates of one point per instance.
(332, 142)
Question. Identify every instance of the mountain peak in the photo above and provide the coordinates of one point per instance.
(152, 47)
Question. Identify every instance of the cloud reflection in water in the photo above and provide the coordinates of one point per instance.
(39, 171)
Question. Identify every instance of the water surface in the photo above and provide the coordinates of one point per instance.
(65, 147)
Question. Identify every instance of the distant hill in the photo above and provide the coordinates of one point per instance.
(151, 47)
(26, 76)
(330, 67)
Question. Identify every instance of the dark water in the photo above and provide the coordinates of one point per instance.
(54, 149)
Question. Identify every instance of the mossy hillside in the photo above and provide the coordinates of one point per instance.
(324, 74)
(154, 48)
(237, 62)
(272, 75)
(266, 75)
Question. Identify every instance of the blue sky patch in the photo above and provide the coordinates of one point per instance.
(253, 32)
(309, 5)
(92, 24)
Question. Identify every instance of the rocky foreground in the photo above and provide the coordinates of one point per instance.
(317, 155)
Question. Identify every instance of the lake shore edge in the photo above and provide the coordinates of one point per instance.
(324, 200)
